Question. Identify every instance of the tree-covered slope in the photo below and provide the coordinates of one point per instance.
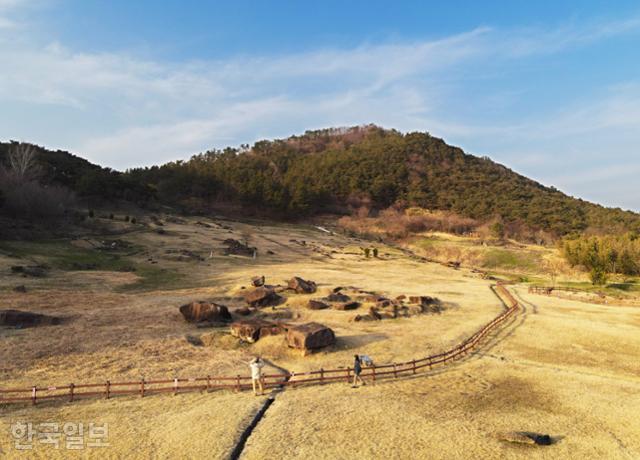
(341, 169)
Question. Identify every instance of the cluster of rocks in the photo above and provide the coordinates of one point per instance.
(336, 300)
(265, 295)
(309, 336)
(17, 318)
(385, 308)
(235, 247)
(306, 337)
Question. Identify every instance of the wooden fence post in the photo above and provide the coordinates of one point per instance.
(414, 365)
(373, 369)
(108, 389)
(175, 386)
(238, 386)
(34, 392)
(430, 364)
(142, 388)
(71, 387)
(395, 372)
(208, 382)
(348, 374)
(321, 376)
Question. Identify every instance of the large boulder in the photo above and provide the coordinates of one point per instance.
(26, 319)
(197, 312)
(253, 329)
(310, 336)
(301, 286)
(261, 297)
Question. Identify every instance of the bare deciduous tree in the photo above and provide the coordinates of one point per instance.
(22, 161)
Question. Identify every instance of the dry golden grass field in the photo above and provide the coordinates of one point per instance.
(566, 368)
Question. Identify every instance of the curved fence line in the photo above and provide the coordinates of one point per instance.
(108, 389)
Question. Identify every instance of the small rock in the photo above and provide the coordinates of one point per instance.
(317, 305)
(194, 340)
(337, 297)
(257, 281)
(346, 305)
(525, 437)
(243, 311)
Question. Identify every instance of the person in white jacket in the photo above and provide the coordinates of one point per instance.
(256, 366)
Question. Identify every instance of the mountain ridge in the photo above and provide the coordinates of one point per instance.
(341, 170)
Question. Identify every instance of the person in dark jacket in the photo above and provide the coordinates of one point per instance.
(357, 369)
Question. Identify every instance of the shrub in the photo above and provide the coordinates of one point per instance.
(91, 213)
(133, 220)
(111, 216)
(30, 199)
(598, 276)
(126, 218)
(497, 230)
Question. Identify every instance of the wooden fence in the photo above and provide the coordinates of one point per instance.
(108, 389)
(548, 290)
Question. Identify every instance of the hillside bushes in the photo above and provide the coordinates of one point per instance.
(601, 255)
(341, 171)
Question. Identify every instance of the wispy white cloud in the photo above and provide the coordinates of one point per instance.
(135, 111)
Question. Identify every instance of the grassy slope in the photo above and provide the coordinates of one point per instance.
(119, 334)
(546, 373)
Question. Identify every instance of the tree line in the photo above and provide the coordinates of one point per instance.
(341, 171)
(604, 255)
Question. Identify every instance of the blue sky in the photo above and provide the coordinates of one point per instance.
(550, 89)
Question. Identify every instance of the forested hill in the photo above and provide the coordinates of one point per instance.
(337, 170)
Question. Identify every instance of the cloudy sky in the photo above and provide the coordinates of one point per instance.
(550, 89)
